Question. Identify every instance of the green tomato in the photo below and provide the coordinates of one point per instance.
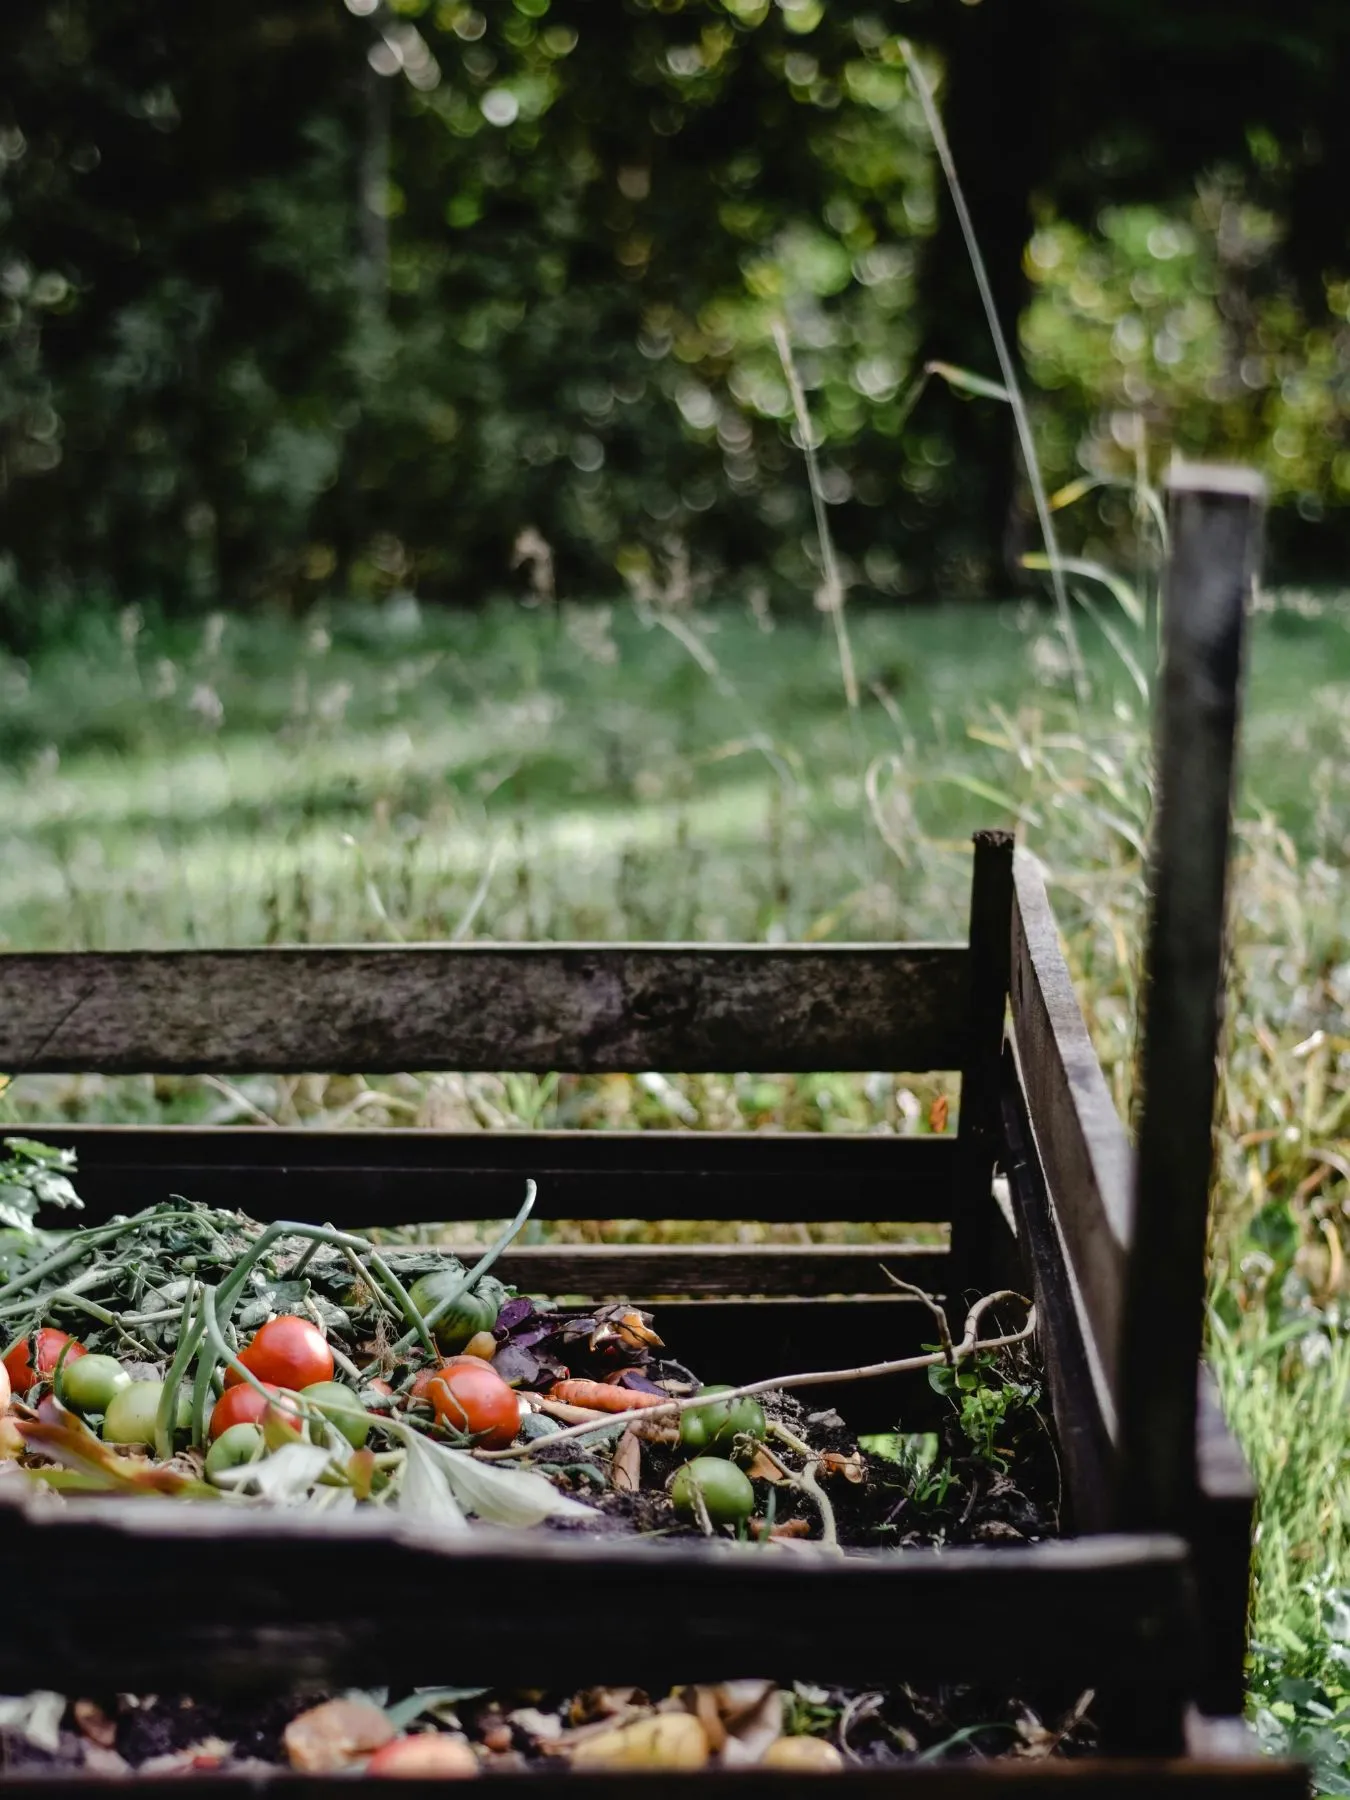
(240, 1444)
(726, 1490)
(714, 1429)
(470, 1314)
(130, 1418)
(89, 1382)
(342, 1409)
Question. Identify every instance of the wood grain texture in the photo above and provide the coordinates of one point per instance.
(1079, 1137)
(291, 1611)
(648, 1271)
(532, 1007)
(374, 1178)
(1194, 1777)
(1215, 537)
(974, 1217)
(1080, 1407)
(1221, 1529)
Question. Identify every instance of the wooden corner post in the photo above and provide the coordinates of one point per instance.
(1216, 519)
(975, 1220)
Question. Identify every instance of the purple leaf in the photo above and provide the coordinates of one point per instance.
(514, 1313)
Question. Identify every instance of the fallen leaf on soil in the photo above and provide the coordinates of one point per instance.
(94, 1724)
(626, 1470)
(602, 1703)
(790, 1528)
(802, 1754)
(850, 1467)
(764, 1467)
(665, 1741)
(333, 1736)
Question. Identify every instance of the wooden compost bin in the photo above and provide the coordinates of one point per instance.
(1145, 1602)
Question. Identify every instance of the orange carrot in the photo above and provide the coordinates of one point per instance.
(603, 1398)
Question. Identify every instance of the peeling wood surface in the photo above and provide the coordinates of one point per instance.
(530, 1007)
(1079, 1136)
(369, 1178)
(1088, 1611)
(974, 1221)
(648, 1271)
(1216, 526)
(1081, 1413)
(1124, 1778)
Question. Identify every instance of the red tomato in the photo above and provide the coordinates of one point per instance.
(287, 1352)
(473, 1398)
(423, 1380)
(431, 1756)
(244, 1405)
(24, 1368)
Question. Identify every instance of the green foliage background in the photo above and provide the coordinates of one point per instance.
(312, 296)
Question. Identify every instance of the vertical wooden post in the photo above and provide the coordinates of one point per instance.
(1216, 516)
(975, 1220)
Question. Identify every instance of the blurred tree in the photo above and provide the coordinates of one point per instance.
(317, 294)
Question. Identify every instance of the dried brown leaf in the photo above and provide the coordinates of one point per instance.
(851, 1468)
(937, 1114)
(765, 1467)
(93, 1723)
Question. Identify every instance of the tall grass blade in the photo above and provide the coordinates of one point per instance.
(833, 587)
(1005, 363)
(1119, 589)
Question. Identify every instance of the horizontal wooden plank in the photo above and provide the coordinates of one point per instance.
(551, 1606)
(648, 1271)
(963, 1778)
(1081, 1141)
(380, 1178)
(569, 1007)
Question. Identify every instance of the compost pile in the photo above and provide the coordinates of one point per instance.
(191, 1353)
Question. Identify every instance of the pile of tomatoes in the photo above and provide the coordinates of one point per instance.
(292, 1385)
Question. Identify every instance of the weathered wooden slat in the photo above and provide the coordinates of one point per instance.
(1079, 1402)
(568, 1007)
(377, 1178)
(974, 1217)
(1220, 1532)
(649, 1271)
(1216, 521)
(1079, 1137)
(1086, 1611)
(1119, 1778)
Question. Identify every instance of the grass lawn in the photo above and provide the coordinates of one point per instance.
(599, 773)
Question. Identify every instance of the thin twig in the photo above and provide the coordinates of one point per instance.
(805, 1480)
(969, 1346)
(833, 586)
(939, 1312)
(1005, 363)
